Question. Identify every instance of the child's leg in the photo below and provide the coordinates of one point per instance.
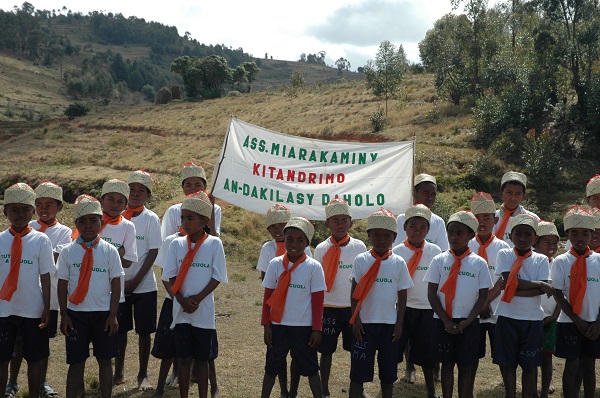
(447, 378)
(569, 379)
(185, 365)
(119, 377)
(387, 389)
(105, 376)
(173, 378)
(212, 376)
(314, 382)
(294, 379)
(465, 380)
(34, 378)
(326, 360)
(17, 359)
(528, 382)
(202, 377)
(356, 390)
(589, 376)
(282, 376)
(509, 377)
(267, 385)
(144, 342)
(163, 373)
(546, 375)
(429, 383)
(75, 386)
(3, 375)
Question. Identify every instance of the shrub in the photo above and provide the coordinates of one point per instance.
(149, 93)
(540, 159)
(378, 120)
(75, 110)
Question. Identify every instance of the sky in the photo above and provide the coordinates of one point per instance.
(352, 29)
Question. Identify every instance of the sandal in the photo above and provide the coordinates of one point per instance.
(46, 391)
(11, 390)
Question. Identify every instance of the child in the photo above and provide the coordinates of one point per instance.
(194, 273)
(575, 276)
(140, 282)
(519, 327)
(459, 283)
(27, 263)
(379, 282)
(592, 198)
(512, 190)
(292, 313)
(418, 320)
(89, 276)
(547, 244)
(336, 255)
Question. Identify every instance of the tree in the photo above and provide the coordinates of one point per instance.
(342, 65)
(385, 74)
(203, 77)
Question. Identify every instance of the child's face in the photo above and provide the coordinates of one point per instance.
(89, 226)
(295, 242)
(339, 225)
(580, 238)
(138, 194)
(416, 230)
(486, 223)
(594, 200)
(276, 231)
(547, 245)
(381, 239)
(523, 237)
(595, 242)
(113, 203)
(459, 235)
(512, 195)
(19, 215)
(425, 194)
(192, 223)
(193, 184)
(47, 208)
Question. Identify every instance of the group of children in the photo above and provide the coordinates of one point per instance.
(426, 289)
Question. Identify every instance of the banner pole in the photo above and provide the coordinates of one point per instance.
(412, 178)
(222, 157)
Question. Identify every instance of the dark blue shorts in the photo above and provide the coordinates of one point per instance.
(194, 342)
(142, 307)
(88, 326)
(36, 345)
(336, 321)
(518, 342)
(486, 329)
(53, 324)
(416, 334)
(164, 338)
(462, 349)
(378, 337)
(571, 344)
(292, 339)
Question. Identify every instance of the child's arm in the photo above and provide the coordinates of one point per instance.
(357, 328)
(185, 302)
(65, 322)
(549, 320)
(564, 305)
(197, 298)
(531, 288)
(400, 310)
(132, 284)
(476, 310)
(316, 302)
(45, 282)
(493, 293)
(111, 325)
(264, 320)
(167, 285)
(436, 306)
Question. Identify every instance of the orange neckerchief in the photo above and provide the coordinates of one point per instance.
(182, 231)
(277, 299)
(85, 273)
(482, 251)
(578, 280)
(44, 226)
(449, 287)
(366, 282)
(416, 258)
(504, 223)
(187, 262)
(9, 287)
(512, 283)
(280, 250)
(597, 250)
(130, 211)
(331, 260)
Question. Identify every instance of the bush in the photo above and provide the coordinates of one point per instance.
(378, 120)
(149, 93)
(76, 110)
(540, 159)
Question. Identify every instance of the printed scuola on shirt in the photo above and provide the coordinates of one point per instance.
(23, 261)
(94, 269)
(109, 240)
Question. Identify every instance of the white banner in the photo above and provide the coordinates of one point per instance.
(258, 168)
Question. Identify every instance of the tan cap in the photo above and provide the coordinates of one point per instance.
(419, 178)
(199, 203)
(465, 217)
(48, 189)
(336, 207)
(578, 217)
(514, 176)
(546, 228)
(86, 204)
(19, 193)
(593, 186)
(141, 177)
(115, 185)
(524, 219)
(383, 219)
(191, 169)
(483, 203)
(303, 225)
(417, 211)
(277, 214)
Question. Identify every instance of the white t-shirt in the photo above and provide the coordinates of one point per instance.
(36, 259)
(534, 268)
(548, 303)
(107, 266)
(473, 275)
(59, 235)
(164, 249)
(500, 214)
(561, 279)
(267, 253)
(339, 296)
(122, 235)
(147, 231)
(437, 232)
(417, 295)
(208, 263)
(380, 304)
(492, 254)
(306, 279)
(172, 220)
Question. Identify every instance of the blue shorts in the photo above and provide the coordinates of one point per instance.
(462, 349)
(88, 326)
(36, 345)
(336, 321)
(571, 344)
(486, 329)
(164, 338)
(416, 334)
(292, 339)
(377, 337)
(142, 307)
(191, 341)
(518, 342)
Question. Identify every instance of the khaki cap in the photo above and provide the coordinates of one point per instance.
(417, 211)
(593, 186)
(514, 176)
(19, 193)
(48, 189)
(383, 219)
(86, 204)
(419, 178)
(578, 217)
(191, 169)
(465, 217)
(141, 177)
(546, 228)
(524, 219)
(336, 207)
(199, 203)
(277, 214)
(483, 203)
(116, 185)
(303, 225)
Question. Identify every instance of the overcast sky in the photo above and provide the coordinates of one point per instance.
(352, 29)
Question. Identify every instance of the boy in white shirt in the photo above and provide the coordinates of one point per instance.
(592, 198)
(336, 255)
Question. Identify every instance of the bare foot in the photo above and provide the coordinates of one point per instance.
(409, 377)
(172, 380)
(144, 384)
(118, 379)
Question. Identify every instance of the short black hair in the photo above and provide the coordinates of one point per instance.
(513, 182)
